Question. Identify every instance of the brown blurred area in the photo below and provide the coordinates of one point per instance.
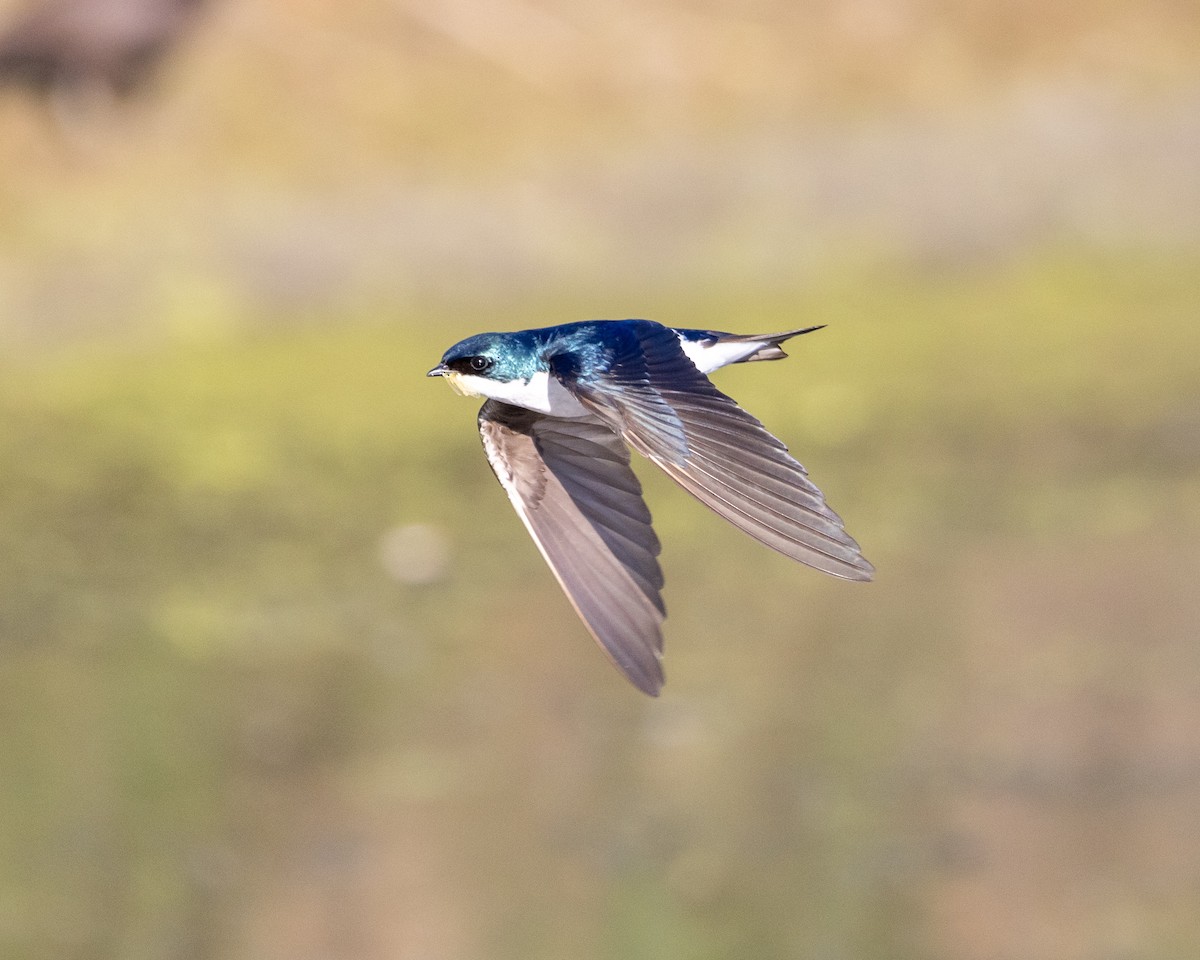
(280, 674)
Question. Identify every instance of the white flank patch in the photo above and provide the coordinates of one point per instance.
(712, 356)
(541, 393)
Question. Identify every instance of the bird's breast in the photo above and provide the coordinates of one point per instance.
(541, 393)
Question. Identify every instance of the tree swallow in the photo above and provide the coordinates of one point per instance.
(563, 404)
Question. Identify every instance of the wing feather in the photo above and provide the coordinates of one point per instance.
(571, 485)
(667, 410)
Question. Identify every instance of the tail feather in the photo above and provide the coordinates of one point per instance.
(771, 349)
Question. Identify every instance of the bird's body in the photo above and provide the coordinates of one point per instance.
(566, 402)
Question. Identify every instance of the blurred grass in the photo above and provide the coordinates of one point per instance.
(231, 731)
(200, 640)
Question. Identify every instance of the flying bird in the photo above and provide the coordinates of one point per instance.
(565, 404)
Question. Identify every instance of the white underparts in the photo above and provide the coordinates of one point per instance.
(541, 393)
(710, 355)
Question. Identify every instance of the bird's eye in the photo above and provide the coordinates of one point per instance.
(479, 364)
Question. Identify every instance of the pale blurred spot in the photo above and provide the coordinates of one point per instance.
(676, 727)
(835, 412)
(416, 553)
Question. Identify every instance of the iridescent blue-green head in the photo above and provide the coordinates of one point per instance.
(497, 357)
(515, 368)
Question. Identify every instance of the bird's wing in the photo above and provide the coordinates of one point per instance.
(664, 408)
(571, 485)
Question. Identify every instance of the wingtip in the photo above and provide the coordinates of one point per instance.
(858, 570)
(649, 681)
(867, 568)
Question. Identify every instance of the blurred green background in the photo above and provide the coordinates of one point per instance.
(281, 675)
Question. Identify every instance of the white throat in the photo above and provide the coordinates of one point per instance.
(541, 393)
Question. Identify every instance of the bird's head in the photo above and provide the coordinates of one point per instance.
(472, 365)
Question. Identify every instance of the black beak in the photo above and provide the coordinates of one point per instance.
(439, 371)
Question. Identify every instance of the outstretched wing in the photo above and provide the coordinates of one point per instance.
(571, 485)
(667, 410)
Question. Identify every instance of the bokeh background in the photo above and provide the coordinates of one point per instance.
(281, 675)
